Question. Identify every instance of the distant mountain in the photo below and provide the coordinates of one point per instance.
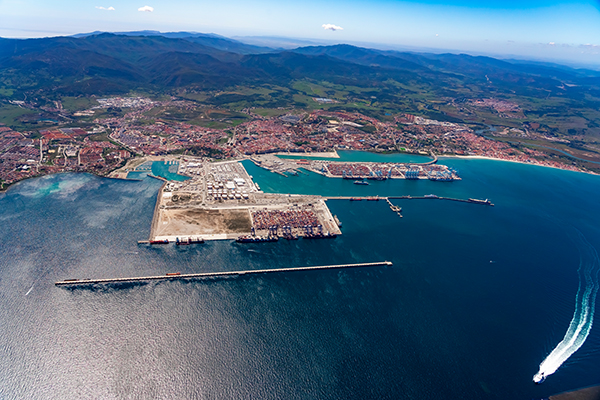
(519, 77)
(363, 56)
(277, 42)
(206, 39)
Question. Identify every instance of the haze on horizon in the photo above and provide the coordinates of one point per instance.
(553, 30)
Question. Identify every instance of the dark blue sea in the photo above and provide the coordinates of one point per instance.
(477, 297)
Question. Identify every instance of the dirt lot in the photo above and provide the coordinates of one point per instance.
(198, 222)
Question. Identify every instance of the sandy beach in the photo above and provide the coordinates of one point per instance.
(516, 161)
(330, 154)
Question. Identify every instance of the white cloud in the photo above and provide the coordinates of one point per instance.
(146, 8)
(332, 27)
(106, 9)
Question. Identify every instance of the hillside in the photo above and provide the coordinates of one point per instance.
(553, 100)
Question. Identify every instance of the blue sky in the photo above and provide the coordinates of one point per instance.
(555, 30)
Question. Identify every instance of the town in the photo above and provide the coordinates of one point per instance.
(106, 143)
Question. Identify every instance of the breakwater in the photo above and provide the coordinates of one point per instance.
(485, 202)
(177, 275)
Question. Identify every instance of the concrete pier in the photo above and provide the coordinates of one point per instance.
(176, 275)
(429, 197)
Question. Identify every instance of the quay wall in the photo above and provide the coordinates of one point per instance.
(155, 218)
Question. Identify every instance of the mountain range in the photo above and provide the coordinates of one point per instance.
(108, 63)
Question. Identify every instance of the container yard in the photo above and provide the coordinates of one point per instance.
(358, 171)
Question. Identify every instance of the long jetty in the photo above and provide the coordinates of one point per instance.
(177, 275)
(429, 197)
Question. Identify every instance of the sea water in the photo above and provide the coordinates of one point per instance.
(477, 297)
(164, 169)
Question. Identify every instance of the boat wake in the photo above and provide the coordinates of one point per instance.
(583, 317)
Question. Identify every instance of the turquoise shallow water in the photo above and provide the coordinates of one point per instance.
(163, 169)
(477, 296)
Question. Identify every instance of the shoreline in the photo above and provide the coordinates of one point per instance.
(6, 188)
(516, 162)
(439, 157)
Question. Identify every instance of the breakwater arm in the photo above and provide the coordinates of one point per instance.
(427, 197)
(174, 276)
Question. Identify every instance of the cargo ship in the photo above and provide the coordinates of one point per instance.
(337, 221)
(165, 241)
(256, 239)
(328, 235)
(183, 242)
(355, 199)
(188, 241)
(441, 178)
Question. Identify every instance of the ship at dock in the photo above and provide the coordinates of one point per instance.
(478, 201)
(188, 241)
(319, 235)
(165, 241)
(256, 239)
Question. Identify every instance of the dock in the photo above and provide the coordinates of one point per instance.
(177, 275)
(426, 197)
(485, 202)
(394, 208)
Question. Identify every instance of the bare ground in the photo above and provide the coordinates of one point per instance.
(198, 222)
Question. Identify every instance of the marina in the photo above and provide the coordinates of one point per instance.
(177, 275)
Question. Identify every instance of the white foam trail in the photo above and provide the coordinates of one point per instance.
(583, 317)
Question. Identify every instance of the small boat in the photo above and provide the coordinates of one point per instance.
(363, 182)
